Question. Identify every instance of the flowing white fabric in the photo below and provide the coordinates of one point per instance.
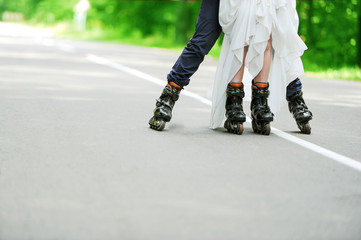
(251, 23)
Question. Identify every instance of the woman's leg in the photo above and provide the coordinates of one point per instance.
(261, 113)
(239, 75)
(262, 76)
(234, 103)
(264, 73)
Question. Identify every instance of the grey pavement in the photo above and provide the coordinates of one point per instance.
(78, 160)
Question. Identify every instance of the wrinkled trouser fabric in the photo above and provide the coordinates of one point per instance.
(206, 34)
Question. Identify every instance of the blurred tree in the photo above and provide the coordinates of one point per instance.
(3, 5)
(331, 29)
(186, 21)
(359, 34)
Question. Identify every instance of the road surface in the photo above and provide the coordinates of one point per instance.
(78, 160)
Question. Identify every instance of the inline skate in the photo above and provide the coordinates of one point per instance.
(300, 112)
(164, 106)
(261, 113)
(234, 108)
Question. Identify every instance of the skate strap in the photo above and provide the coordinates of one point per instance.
(175, 87)
(295, 97)
(161, 102)
(235, 85)
(256, 85)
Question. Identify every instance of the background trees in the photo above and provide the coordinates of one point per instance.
(331, 29)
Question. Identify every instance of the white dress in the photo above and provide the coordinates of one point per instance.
(250, 23)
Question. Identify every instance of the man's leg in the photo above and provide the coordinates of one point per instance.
(298, 107)
(294, 87)
(205, 36)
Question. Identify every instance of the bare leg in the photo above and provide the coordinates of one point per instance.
(262, 76)
(261, 113)
(234, 103)
(239, 75)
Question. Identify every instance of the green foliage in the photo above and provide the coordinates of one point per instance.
(144, 18)
(331, 29)
(47, 11)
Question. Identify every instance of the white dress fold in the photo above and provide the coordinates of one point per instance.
(251, 23)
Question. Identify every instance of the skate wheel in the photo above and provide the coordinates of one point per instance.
(267, 129)
(254, 126)
(158, 125)
(161, 127)
(305, 128)
(236, 128)
(261, 128)
(239, 129)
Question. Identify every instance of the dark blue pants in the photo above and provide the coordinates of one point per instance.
(207, 32)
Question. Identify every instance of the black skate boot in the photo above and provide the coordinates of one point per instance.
(164, 106)
(234, 108)
(301, 114)
(261, 113)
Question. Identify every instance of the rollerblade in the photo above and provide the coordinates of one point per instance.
(164, 106)
(261, 113)
(234, 109)
(301, 114)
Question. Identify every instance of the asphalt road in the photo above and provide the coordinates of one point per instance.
(78, 160)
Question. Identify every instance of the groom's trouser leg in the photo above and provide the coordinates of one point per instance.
(206, 34)
(294, 87)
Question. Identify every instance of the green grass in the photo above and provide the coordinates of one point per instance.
(345, 73)
(113, 36)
